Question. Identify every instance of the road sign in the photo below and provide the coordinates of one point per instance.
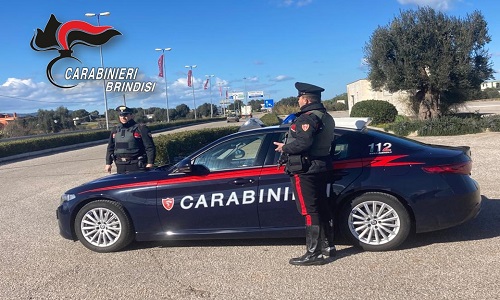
(237, 96)
(256, 94)
(268, 103)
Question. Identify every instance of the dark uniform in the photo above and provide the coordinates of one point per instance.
(309, 164)
(130, 146)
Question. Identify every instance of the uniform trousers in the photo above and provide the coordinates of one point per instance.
(311, 198)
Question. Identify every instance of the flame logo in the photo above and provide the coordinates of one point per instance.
(63, 37)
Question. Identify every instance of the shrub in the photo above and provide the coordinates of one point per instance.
(331, 105)
(450, 126)
(171, 147)
(491, 122)
(270, 119)
(403, 127)
(285, 109)
(9, 148)
(380, 111)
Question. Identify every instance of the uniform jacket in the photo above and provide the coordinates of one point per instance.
(131, 140)
(310, 136)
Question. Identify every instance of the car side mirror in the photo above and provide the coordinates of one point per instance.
(199, 170)
(184, 167)
(187, 167)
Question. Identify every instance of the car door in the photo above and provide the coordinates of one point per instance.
(347, 154)
(278, 207)
(224, 199)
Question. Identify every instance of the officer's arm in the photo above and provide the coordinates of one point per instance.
(111, 148)
(304, 137)
(149, 144)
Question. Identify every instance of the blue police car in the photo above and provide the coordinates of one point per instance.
(385, 187)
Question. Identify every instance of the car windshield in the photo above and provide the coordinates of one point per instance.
(233, 154)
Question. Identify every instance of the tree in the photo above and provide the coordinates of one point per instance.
(235, 105)
(435, 58)
(79, 113)
(204, 110)
(290, 101)
(256, 104)
(182, 110)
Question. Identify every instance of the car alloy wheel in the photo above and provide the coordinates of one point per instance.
(376, 222)
(103, 226)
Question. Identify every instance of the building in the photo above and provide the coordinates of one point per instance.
(5, 118)
(490, 84)
(361, 90)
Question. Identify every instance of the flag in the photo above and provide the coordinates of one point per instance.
(160, 66)
(220, 91)
(190, 80)
(206, 85)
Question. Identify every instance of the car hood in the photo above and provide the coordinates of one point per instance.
(116, 180)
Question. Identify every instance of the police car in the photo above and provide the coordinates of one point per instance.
(385, 187)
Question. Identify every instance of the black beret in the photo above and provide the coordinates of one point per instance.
(306, 88)
(122, 109)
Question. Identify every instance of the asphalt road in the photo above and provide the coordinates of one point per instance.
(36, 263)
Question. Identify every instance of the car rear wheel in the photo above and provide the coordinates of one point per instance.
(103, 226)
(375, 222)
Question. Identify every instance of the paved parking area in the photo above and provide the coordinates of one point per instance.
(36, 263)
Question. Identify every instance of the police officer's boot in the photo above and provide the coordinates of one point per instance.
(327, 244)
(313, 255)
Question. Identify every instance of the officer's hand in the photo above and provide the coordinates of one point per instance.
(107, 168)
(149, 166)
(279, 147)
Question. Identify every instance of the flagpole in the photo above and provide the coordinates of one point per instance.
(107, 13)
(164, 69)
(192, 85)
(211, 105)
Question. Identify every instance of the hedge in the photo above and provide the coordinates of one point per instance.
(170, 148)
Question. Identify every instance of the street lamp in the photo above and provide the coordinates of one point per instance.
(107, 13)
(211, 105)
(192, 85)
(165, 77)
(246, 93)
(222, 100)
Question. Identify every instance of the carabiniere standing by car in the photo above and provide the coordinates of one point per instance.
(130, 145)
(307, 151)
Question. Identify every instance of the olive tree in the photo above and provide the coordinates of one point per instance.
(437, 59)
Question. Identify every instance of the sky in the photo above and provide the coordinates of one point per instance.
(248, 45)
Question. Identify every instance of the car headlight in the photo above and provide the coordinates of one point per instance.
(67, 197)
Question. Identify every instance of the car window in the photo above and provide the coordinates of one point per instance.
(349, 145)
(275, 155)
(233, 154)
(356, 144)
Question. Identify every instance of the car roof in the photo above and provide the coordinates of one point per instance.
(358, 124)
(352, 123)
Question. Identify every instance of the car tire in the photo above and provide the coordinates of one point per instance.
(375, 222)
(103, 226)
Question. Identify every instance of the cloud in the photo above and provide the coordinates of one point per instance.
(436, 4)
(298, 3)
(280, 78)
(252, 79)
(27, 96)
(303, 2)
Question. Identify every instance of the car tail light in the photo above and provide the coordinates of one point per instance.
(458, 168)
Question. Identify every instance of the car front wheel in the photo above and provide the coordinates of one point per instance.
(375, 222)
(103, 226)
